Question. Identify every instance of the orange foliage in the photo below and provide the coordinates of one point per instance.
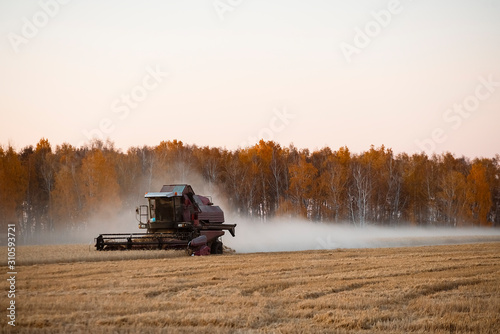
(13, 183)
(478, 194)
(48, 190)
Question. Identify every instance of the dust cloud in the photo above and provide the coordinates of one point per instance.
(274, 235)
(84, 233)
(294, 235)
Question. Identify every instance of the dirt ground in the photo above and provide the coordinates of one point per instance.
(440, 289)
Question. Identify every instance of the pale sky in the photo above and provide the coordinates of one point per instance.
(411, 75)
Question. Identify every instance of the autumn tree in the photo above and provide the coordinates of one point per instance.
(332, 181)
(237, 181)
(268, 168)
(478, 194)
(66, 195)
(129, 174)
(148, 162)
(13, 184)
(252, 190)
(495, 186)
(46, 167)
(360, 192)
(172, 162)
(40, 166)
(209, 162)
(415, 183)
(452, 196)
(29, 207)
(385, 177)
(302, 176)
(492, 174)
(395, 200)
(99, 186)
(273, 172)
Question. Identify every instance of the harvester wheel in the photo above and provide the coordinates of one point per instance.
(216, 247)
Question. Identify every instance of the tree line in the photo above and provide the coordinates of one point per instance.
(46, 189)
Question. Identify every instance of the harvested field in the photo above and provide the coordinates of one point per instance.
(440, 289)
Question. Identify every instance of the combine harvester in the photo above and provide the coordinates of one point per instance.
(175, 218)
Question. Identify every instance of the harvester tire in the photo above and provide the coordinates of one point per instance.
(216, 247)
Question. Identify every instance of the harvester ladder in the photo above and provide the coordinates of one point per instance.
(142, 212)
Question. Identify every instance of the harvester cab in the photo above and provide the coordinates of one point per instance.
(175, 217)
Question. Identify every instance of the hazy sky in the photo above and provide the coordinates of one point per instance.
(411, 75)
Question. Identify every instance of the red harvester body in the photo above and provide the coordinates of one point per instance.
(175, 218)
